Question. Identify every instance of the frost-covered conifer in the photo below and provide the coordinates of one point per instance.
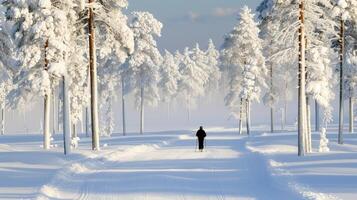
(304, 22)
(321, 79)
(268, 28)
(323, 146)
(114, 48)
(109, 37)
(193, 76)
(213, 67)
(243, 57)
(170, 77)
(144, 63)
(40, 35)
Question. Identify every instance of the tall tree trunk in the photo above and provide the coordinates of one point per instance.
(3, 119)
(351, 115)
(74, 131)
(87, 121)
(66, 118)
(93, 79)
(342, 50)
(285, 105)
(123, 105)
(188, 109)
(248, 117)
(110, 122)
(272, 120)
(308, 123)
(59, 111)
(317, 116)
(301, 85)
(142, 110)
(271, 109)
(46, 122)
(46, 110)
(168, 109)
(240, 117)
(53, 113)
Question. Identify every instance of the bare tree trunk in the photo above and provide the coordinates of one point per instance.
(3, 119)
(272, 120)
(59, 105)
(66, 119)
(317, 116)
(308, 123)
(123, 105)
(87, 121)
(46, 122)
(351, 115)
(168, 109)
(188, 109)
(248, 117)
(342, 50)
(93, 80)
(74, 131)
(284, 109)
(46, 110)
(240, 117)
(142, 110)
(301, 85)
(271, 109)
(53, 113)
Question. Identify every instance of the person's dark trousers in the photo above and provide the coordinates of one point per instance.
(200, 143)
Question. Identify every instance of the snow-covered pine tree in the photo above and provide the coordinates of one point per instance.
(345, 10)
(5, 87)
(144, 63)
(321, 79)
(323, 147)
(6, 60)
(201, 60)
(268, 28)
(342, 10)
(108, 23)
(40, 38)
(193, 77)
(351, 82)
(76, 75)
(170, 77)
(243, 57)
(213, 70)
(303, 19)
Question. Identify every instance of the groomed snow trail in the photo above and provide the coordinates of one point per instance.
(171, 170)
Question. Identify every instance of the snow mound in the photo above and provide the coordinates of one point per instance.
(79, 168)
(130, 152)
(185, 137)
(50, 191)
(272, 149)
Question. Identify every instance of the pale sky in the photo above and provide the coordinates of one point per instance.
(189, 21)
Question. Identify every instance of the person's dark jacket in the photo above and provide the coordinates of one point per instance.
(201, 134)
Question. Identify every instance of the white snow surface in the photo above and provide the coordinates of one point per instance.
(166, 166)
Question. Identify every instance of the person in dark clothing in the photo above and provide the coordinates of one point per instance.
(201, 134)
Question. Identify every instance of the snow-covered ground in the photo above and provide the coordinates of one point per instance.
(166, 166)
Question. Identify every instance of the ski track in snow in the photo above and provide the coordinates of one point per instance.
(171, 170)
(283, 176)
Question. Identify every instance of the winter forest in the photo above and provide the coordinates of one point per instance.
(80, 59)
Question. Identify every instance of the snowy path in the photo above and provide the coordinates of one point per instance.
(171, 170)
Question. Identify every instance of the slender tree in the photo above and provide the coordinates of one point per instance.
(170, 77)
(243, 56)
(144, 63)
(40, 41)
